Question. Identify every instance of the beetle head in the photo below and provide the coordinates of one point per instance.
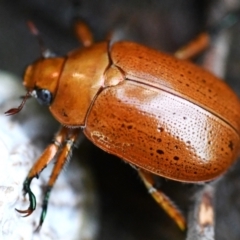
(41, 78)
(43, 74)
(41, 81)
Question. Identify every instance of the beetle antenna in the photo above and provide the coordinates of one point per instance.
(13, 111)
(45, 52)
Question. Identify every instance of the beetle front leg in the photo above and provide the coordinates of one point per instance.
(61, 160)
(162, 199)
(37, 168)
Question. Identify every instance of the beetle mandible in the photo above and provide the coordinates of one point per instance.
(163, 115)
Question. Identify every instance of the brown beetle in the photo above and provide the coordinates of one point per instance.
(164, 115)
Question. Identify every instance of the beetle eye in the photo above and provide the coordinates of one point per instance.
(44, 97)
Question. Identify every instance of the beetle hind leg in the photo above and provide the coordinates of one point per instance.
(162, 199)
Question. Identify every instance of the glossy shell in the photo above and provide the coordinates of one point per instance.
(159, 113)
(169, 117)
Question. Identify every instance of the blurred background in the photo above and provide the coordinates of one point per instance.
(126, 210)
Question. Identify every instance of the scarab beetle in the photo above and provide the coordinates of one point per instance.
(163, 115)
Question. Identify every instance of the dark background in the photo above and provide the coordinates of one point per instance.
(126, 210)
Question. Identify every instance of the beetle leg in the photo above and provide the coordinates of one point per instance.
(162, 199)
(202, 41)
(83, 33)
(193, 48)
(62, 158)
(37, 168)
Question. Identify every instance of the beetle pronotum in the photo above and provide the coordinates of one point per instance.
(163, 115)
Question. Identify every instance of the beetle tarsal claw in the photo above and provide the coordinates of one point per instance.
(32, 198)
(32, 205)
(28, 212)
